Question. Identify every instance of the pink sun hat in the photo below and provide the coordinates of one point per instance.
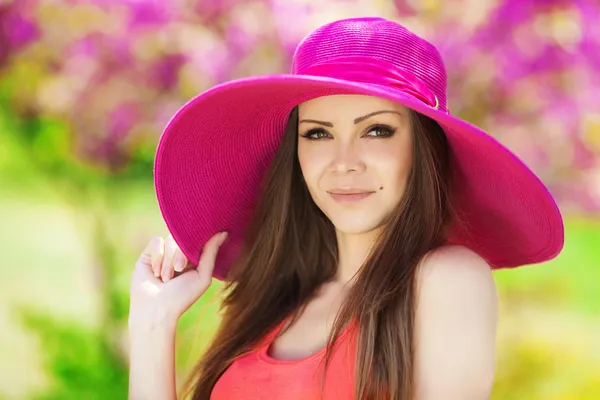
(214, 153)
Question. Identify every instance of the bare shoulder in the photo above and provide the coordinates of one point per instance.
(455, 326)
(454, 284)
(455, 267)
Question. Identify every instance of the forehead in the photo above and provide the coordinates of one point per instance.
(346, 105)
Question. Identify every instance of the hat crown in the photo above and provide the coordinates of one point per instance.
(379, 39)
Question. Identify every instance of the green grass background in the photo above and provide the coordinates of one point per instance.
(549, 336)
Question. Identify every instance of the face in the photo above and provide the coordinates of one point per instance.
(355, 154)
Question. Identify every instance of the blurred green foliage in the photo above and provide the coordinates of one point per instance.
(545, 308)
(549, 347)
(81, 362)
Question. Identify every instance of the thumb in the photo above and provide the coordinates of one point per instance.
(206, 264)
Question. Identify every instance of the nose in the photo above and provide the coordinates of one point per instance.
(347, 158)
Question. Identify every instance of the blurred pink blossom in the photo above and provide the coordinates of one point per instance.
(17, 26)
(527, 73)
(163, 74)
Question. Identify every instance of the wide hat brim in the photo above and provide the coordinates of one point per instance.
(214, 153)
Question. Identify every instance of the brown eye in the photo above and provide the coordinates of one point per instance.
(380, 131)
(315, 134)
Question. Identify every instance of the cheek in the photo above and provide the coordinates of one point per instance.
(309, 172)
(393, 168)
(313, 162)
(393, 181)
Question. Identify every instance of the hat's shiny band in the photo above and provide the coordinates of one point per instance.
(370, 70)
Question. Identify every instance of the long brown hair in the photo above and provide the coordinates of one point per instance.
(291, 251)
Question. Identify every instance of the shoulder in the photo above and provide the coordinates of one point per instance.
(454, 267)
(455, 325)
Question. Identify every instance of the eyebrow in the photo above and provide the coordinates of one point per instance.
(356, 121)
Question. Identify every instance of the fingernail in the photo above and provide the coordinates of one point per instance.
(223, 237)
(179, 264)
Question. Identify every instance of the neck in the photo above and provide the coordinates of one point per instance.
(353, 250)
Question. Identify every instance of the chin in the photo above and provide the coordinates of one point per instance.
(355, 224)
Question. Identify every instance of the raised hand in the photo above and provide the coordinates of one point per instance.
(164, 284)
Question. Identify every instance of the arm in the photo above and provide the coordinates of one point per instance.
(157, 301)
(152, 362)
(455, 331)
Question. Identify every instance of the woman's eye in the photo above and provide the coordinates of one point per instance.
(380, 131)
(377, 131)
(315, 134)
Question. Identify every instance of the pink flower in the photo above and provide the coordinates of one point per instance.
(17, 27)
(163, 74)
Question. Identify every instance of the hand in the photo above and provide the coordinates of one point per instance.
(164, 284)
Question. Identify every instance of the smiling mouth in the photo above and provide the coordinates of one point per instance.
(343, 196)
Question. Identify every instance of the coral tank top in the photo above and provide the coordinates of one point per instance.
(257, 376)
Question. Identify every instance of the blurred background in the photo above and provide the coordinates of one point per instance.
(86, 88)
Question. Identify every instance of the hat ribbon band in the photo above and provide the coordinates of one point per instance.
(369, 70)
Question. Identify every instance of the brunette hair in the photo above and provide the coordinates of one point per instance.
(290, 251)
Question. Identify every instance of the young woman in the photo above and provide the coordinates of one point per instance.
(354, 220)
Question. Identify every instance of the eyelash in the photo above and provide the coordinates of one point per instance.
(388, 132)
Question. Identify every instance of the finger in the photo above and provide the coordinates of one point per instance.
(153, 254)
(180, 262)
(143, 267)
(208, 257)
(167, 271)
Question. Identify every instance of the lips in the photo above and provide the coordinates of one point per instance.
(350, 191)
(349, 195)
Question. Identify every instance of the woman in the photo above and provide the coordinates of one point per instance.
(355, 221)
